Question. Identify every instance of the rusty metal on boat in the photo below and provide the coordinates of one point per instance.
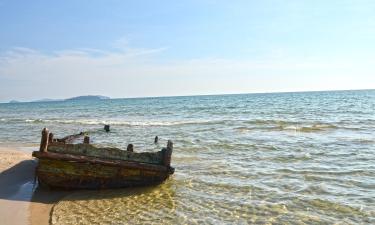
(62, 164)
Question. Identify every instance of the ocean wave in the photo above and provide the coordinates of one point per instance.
(325, 172)
(243, 125)
(119, 122)
(310, 128)
(34, 121)
(285, 126)
(313, 189)
(329, 205)
(302, 126)
(7, 120)
(363, 141)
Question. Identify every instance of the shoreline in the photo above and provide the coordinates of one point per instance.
(20, 201)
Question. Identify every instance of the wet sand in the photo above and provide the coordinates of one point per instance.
(20, 201)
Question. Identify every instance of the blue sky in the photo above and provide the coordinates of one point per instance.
(158, 48)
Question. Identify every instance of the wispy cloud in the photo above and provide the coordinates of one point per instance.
(138, 72)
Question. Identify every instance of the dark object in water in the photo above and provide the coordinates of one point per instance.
(66, 140)
(84, 166)
(86, 140)
(130, 148)
(106, 128)
(156, 140)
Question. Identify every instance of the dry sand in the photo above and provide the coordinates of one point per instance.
(20, 202)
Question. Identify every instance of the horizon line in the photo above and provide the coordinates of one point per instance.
(193, 95)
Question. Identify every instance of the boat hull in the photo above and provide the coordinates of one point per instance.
(72, 172)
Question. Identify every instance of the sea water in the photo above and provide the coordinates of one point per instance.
(280, 158)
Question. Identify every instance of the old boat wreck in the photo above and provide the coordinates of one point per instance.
(62, 164)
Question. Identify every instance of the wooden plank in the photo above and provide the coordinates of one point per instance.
(86, 140)
(167, 153)
(44, 140)
(70, 138)
(99, 171)
(93, 160)
(83, 175)
(106, 153)
(63, 181)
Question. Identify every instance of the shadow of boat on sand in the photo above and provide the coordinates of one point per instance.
(19, 183)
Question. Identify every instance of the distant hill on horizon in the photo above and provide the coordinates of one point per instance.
(47, 100)
(14, 101)
(77, 98)
(88, 97)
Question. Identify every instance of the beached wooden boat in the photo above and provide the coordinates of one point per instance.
(62, 164)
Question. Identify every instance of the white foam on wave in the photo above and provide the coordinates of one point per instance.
(256, 124)
(309, 127)
(286, 126)
(33, 120)
(290, 128)
(120, 122)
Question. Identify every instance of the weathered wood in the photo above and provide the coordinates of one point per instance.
(86, 140)
(50, 138)
(170, 144)
(130, 148)
(82, 175)
(44, 140)
(106, 153)
(68, 181)
(93, 160)
(167, 154)
(156, 140)
(70, 138)
(85, 166)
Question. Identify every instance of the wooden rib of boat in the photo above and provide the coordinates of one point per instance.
(62, 164)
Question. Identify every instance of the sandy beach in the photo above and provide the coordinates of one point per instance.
(20, 203)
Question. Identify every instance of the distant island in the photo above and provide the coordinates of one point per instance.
(47, 100)
(14, 101)
(88, 97)
(78, 98)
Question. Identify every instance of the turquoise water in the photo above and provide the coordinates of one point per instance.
(257, 158)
